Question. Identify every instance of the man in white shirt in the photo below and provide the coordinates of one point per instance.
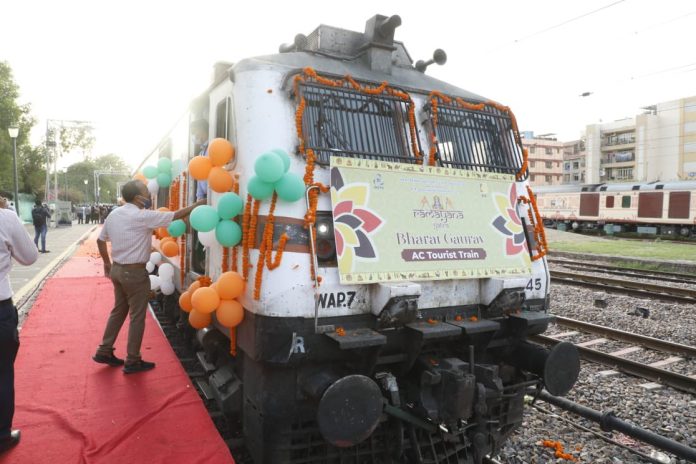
(129, 228)
(15, 243)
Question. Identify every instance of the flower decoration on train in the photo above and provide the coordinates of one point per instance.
(508, 222)
(354, 223)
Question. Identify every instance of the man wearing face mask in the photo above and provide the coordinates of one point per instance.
(129, 228)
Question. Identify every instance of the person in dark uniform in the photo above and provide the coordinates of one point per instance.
(40, 216)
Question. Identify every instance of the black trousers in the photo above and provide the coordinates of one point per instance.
(9, 344)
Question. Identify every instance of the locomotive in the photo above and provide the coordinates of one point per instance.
(337, 361)
(665, 208)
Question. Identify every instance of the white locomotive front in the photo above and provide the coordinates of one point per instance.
(338, 359)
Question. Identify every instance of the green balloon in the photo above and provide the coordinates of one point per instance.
(164, 180)
(229, 205)
(290, 187)
(150, 172)
(204, 218)
(259, 189)
(284, 156)
(177, 228)
(164, 165)
(228, 233)
(269, 167)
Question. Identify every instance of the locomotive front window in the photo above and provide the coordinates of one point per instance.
(341, 121)
(480, 140)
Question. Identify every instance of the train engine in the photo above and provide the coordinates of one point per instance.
(387, 310)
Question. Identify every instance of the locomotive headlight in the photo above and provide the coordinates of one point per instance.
(326, 242)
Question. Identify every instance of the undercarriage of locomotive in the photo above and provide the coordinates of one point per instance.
(427, 392)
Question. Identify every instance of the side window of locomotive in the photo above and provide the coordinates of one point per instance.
(341, 121)
(480, 140)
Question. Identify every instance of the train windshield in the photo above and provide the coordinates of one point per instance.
(479, 140)
(342, 121)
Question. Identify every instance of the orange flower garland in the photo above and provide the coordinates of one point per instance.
(535, 219)
(235, 250)
(245, 238)
(182, 249)
(225, 259)
(266, 249)
(558, 448)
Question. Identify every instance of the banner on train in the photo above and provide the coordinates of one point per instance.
(399, 222)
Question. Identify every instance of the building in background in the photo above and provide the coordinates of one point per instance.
(574, 162)
(658, 145)
(545, 158)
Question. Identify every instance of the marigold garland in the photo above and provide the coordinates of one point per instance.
(225, 259)
(205, 281)
(558, 448)
(266, 248)
(541, 246)
(435, 96)
(182, 246)
(245, 238)
(235, 250)
(233, 341)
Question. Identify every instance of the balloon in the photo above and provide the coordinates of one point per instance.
(230, 313)
(269, 167)
(152, 186)
(284, 156)
(195, 285)
(150, 172)
(154, 282)
(164, 165)
(162, 232)
(139, 176)
(230, 285)
(150, 266)
(205, 300)
(259, 189)
(166, 271)
(155, 258)
(204, 218)
(199, 320)
(229, 205)
(169, 249)
(168, 239)
(177, 228)
(167, 287)
(228, 233)
(220, 180)
(290, 187)
(200, 167)
(220, 152)
(207, 239)
(164, 180)
(185, 302)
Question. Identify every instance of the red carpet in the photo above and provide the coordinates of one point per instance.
(73, 410)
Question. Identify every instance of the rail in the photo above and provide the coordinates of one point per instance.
(618, 270)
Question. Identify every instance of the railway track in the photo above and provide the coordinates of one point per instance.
(653, 373)
(640, 289)
(664, 276)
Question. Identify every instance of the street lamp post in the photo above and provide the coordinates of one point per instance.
(14, 132)
(86, 191)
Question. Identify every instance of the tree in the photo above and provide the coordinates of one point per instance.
(78, 172)
(11, 112)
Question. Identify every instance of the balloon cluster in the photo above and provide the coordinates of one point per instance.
(217, 224)
(164, 281)
(272, 174)
(220, 298)
(211, 167)
(168, 235)
(161, 176)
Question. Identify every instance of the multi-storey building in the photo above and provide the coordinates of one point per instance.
(545, 159)
(658, 145)
(574, 162)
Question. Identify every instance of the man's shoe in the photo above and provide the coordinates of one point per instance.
(46, 251)
(140, 366)
(110, 360)
(10, 441)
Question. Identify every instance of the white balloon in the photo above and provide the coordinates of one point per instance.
(207, 238)
(150, 266)
(154, 282)
(155, 257)
(167, 287)
(166, 271)
(152, 186)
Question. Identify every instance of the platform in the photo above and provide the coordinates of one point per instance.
(73, 410)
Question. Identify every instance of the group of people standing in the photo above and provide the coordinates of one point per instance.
(92, 214)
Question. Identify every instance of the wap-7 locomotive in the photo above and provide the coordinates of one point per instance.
(386, 311)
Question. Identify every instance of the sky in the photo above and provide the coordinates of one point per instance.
(132, 67)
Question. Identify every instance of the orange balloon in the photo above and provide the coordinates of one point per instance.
(230, 285)
(214, 286)
(163, 232)
(199, 320)
(205, 300)
(169, 249)
(219, 180)
(139, 176)
(220, 152)
(185, 302)
(200, 167)
(230, 313)
(194, 286)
